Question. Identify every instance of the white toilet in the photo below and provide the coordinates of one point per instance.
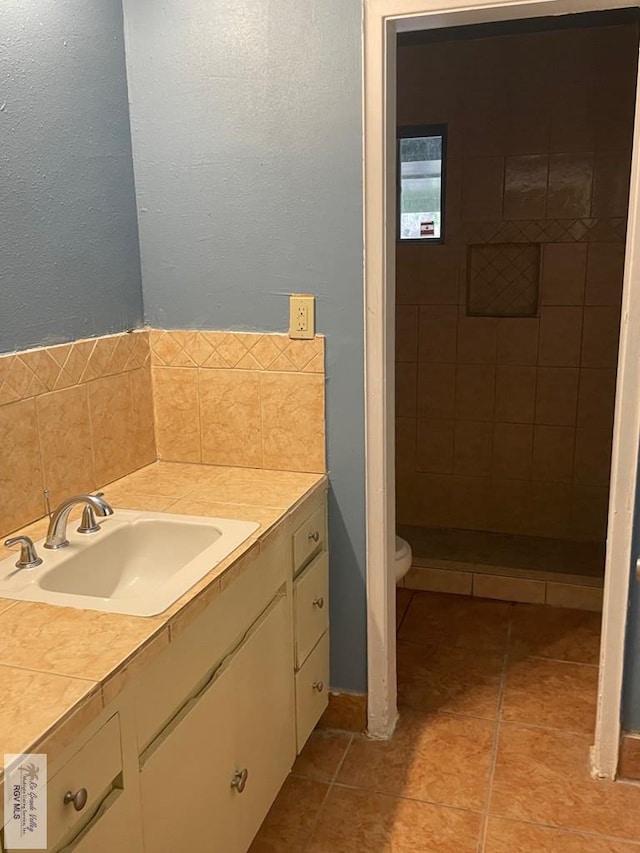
(403, 558)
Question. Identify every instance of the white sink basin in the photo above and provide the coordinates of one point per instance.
(138, 563)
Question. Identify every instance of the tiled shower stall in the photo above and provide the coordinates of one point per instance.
(507, 331)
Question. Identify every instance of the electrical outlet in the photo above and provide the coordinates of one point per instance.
(301, 316)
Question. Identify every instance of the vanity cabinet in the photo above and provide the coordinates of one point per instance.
(209, 778)
(193, 751)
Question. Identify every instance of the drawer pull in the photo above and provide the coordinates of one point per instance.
(318, 602)
(315, 536)
(79, 799)
(239, 781)
(318, 685)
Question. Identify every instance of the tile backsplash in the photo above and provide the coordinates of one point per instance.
(74, 417)
(226, 398)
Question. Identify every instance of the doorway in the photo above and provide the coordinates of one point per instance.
(380, 79)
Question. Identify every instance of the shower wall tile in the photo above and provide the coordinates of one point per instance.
(560, 336)
(605, 268)
(515, 393)
(518, 340)
(563, 273)
(557, 396)
(438, 333)
(437, 390)
(518, 411)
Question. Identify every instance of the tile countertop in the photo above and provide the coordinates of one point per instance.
(60, 666)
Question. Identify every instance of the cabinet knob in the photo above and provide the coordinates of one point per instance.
(318, 685)
(239, 781)
(79, 799)
(318, 602)
(315, 536)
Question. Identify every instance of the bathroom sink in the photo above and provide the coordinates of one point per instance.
(138, 563)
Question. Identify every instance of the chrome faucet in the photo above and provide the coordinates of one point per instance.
(57, 533)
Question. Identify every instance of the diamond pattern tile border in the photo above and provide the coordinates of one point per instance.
(503, 280)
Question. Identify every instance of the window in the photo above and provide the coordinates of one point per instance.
(421, 161)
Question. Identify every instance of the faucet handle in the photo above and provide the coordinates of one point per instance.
(28, 555)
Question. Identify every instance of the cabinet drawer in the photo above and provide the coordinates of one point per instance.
(114, 827)
(312, 690)
(309, 538)
(311, 603)
(94, 767)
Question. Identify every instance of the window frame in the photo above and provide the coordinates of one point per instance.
(412, 131)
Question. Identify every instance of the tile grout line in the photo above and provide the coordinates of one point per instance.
(332, 781)
(496, 734)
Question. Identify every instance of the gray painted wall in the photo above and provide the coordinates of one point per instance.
(247, 140)
(631, 688)
(68, 230)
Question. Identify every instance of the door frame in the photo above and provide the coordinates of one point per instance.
(382, 20)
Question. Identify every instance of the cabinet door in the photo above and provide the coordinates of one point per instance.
(242, 721)
(185, 781)
(114, 827)
(264, 716)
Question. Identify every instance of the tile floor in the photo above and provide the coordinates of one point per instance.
(491, 754)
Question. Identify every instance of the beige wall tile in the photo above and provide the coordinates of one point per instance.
(406, 432)
(230, 419)
(512, 451)
(589, 512)
(525, 186)
(570, 180)
(144, 436)
(477, 339)
(470, 502)
(596, 397)
(293, 419)
(508, 589)
(557, 395)
(605, 268)
(572, 127)
(473, 446)
(550, 509)
(553, 453)
(560, 337)
(518, 340)
(574, 597)
(612, 173)
(563, 273)
(510, 506)
(439, 580)
(424, 499)
(112, 431)
(436, 390)
(482, 188)
(475, 392)
(406, 333)
(21, 481)
(600, 337)
(406, 389)
(434, 446)
(66, 443)
(515, 393)
(175, 401)
(592, 466)
(437, 333)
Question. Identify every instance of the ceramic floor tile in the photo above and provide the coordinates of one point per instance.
(434, 758)
(542, 776)
(450, 620)
(572, 635)
(321, 756)
(459, 681)
(551, 693)
(360, 822)
(403, 599)
(288, 826)
(507, 836)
